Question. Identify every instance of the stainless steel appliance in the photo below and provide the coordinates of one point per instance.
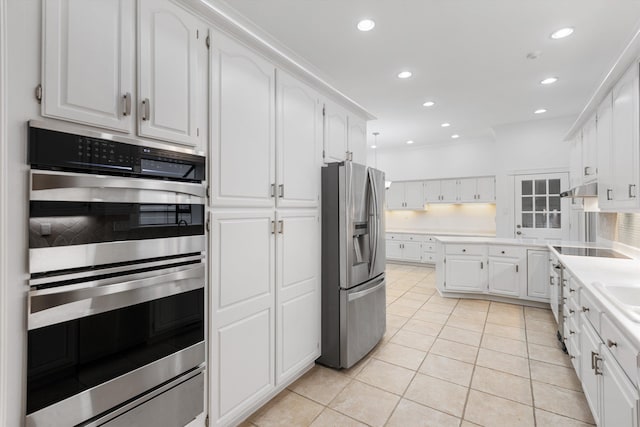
(116, 300)
(353, 262)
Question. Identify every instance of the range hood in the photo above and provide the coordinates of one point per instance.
(586, 190)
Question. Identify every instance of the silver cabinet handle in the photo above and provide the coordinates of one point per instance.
(550, 281)
(517, 267)
(595, 358)
(611, 343)
(632, 191)
(281, 190)
(281, 226)
(609, 194)
(273, 227)
(126, 104)
(481, 265)
(587, 170)
(145, 109)
(585, 309)
(571, 290)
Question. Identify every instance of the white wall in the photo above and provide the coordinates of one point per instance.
(23, 32)
(518, 148)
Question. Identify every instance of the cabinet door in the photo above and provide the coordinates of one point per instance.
(465, 273)
(449, 190)
(357, 141)
(395, 196)
(604, 143)
(625, 140)
(242, 301)
(432, 191)
(538, 274)
(619, 395)
(411, 251)
(468, 190)
(88, 62)
(486, 187)
(589, 151)
(393, 249)
(335, 133)
(591, 383)
(413, 195)
(170, 42)
(243, 131)
(504, 276)
(575, 161)
(298, 130)
(298, 292)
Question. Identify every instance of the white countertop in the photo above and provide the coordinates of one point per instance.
(495, 240)
(441, 233)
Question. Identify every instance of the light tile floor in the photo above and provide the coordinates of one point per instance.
(442, 362)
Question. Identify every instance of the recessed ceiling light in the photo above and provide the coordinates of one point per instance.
(549, 80)
(445, 125)
(374, 146)
(366, 25)
(562, 33)
(405, 74)
(429, 104)
(540, 111)
(409, 142)
(455, 136)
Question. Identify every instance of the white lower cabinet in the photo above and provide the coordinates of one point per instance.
(465, 273)
(298, 292)
(504, 276)
(265, 305)
(403, 250)
(538, 285)
(611, 394)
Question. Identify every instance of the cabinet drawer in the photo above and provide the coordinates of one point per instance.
(429, 247)
(429, 257)
(465, 249)
(620, 347)
(590, 308)
(507, 251)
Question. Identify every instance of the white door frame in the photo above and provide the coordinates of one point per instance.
(3, 209)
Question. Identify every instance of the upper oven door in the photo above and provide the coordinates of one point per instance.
(81, 221)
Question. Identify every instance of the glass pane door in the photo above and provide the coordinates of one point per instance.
(540, 212)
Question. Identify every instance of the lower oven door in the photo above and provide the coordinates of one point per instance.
(94, 345)
(362, 319)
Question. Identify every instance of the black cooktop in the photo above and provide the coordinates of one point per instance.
(581, 251)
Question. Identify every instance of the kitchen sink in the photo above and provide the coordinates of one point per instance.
(624, 297)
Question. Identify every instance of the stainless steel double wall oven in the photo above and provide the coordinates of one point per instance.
(117, 280)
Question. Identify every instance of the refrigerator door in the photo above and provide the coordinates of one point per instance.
(361, 224)
(362, 320)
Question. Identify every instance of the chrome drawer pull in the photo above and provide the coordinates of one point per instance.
(611, 343)
(585, 309)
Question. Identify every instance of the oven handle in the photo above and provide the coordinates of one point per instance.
(51, 180)
(49, 307)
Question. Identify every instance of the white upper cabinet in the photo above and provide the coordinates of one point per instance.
(624, 154)
(405, 195)
(590, 150)
(604, 144)
(299, 133)
(171, 42)
(243, 126)
(88, 62)
(357, 140)
(89, 68)
(449, 191)
(432, 191)
(335, 133)
(486, 188)
(467, 190)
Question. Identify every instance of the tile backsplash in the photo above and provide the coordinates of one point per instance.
(620, 227)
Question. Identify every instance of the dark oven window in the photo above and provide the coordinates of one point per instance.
(74, 356)
(53, 223)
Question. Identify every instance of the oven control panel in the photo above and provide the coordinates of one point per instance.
(49, 149)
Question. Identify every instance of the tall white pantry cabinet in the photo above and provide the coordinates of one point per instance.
(268, 134)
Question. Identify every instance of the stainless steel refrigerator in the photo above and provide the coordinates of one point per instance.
(353, 262)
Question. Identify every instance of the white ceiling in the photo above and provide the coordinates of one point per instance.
(469, 56)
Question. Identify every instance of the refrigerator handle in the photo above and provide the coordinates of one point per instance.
(373, 238)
